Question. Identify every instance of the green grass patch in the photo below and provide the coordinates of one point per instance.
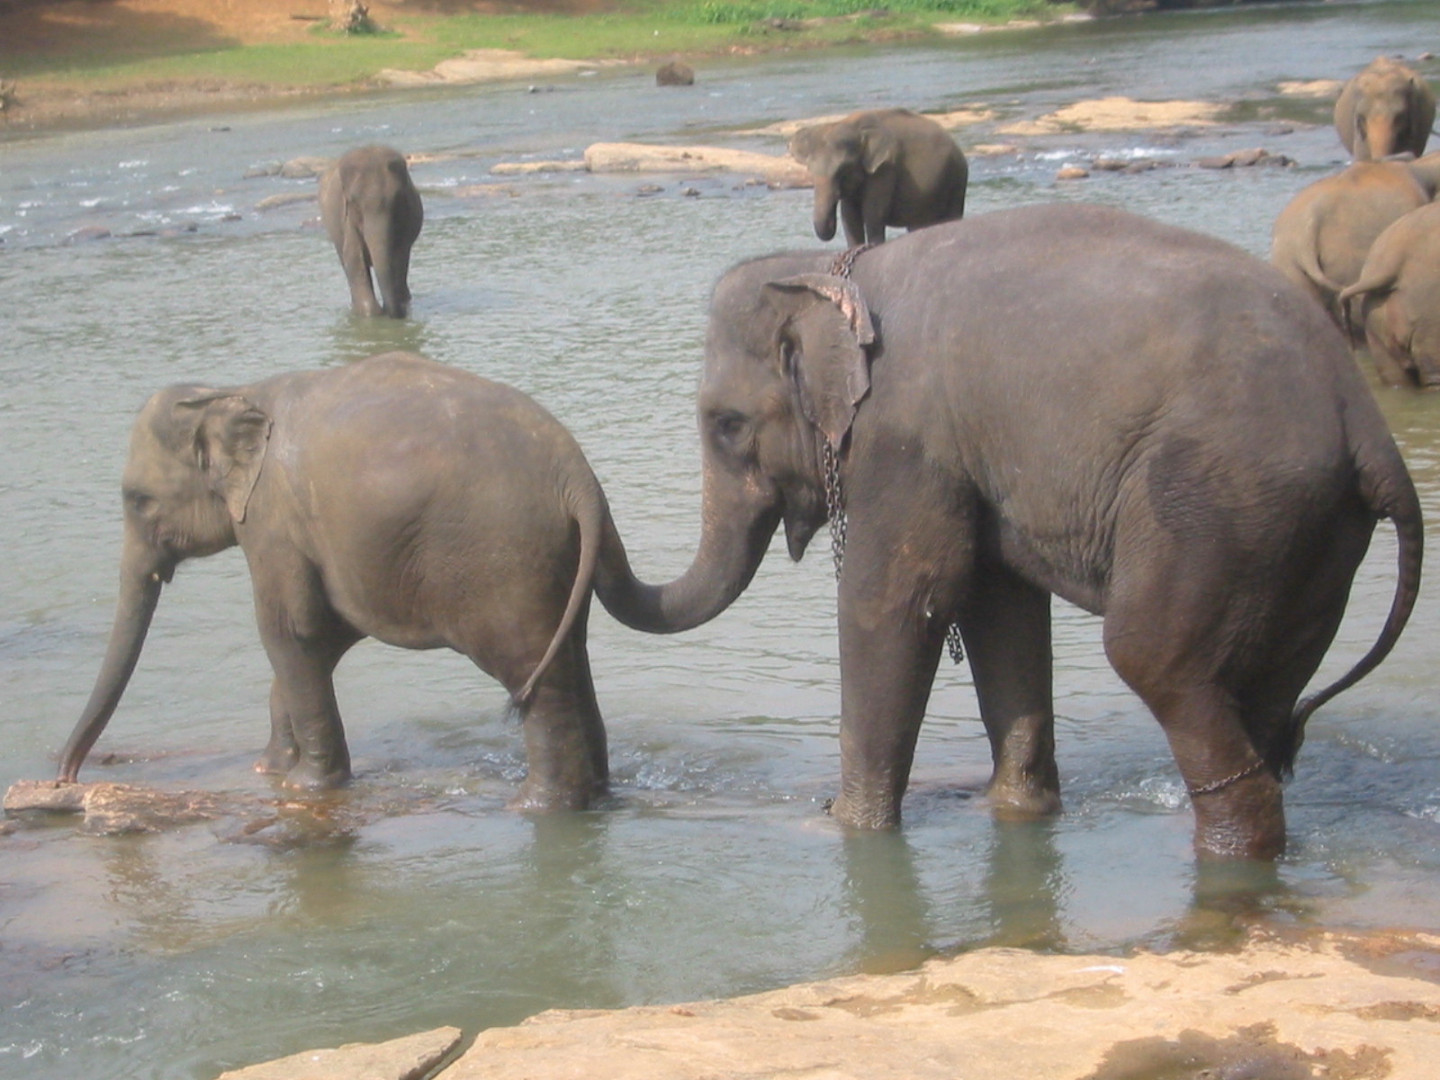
(419, 42)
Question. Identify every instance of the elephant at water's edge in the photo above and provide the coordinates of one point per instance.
(373, 215)
(881, 167)
(1385, 109)
(1054, 400)
(395, 498)
(1321, 236)
(1397, 298)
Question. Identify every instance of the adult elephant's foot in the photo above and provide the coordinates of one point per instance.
(1240, 818)
(861, 812)
(543, 799)
(1022, 800)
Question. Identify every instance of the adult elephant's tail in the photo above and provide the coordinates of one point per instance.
(1388, 493)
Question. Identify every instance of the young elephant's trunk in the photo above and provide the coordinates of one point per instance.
(141, 579)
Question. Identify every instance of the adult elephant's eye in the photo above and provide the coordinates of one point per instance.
(139, 503)
(730, 428)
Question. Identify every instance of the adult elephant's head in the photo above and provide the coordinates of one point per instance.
(1386, 109)
(195, 455)
(840, 156)
(786, 366)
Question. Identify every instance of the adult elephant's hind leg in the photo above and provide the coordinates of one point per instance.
(1005, 624)
(1167, 638)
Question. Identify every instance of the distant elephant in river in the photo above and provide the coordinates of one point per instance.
(1053, 400)
(395, 498)
(1386, 109)
(1320, 238)
(882, 167)
(1398, 300)
(373, 214)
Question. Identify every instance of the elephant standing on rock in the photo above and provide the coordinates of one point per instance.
(1056, 400)
(1386, 109)
(373, 215)
(1398, 300)
(395, 498)
(882, 167)
(1320, 239)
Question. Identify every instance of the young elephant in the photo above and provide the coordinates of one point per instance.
(1054, 400)
(373, 214)
(1386, 109)
(882, 167)
(395, 498)
(1399, 300)
(1321, 237)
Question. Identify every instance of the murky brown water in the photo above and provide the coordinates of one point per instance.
(418, 900)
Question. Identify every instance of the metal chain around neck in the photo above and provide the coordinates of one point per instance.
(834, 502)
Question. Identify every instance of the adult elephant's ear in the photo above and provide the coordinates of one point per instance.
(830, 332)
(230, 442)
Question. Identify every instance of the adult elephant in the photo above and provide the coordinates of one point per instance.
(1320, 239)
(1055, 400)
(1385, 109)
(1398, 300)
(373, 215)
(395, 498)
(881, 167)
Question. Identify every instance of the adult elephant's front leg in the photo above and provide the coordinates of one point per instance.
(888, 654)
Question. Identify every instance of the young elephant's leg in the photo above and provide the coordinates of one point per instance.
(282, 752)
(567, 760)
(1005, 625)
(304, 693)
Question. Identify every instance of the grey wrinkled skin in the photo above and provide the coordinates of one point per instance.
(1397, 299)
(1057, 400)
(1320, 239)
(394, 498)
(373, 215)
(1385, 109)
(882, 167)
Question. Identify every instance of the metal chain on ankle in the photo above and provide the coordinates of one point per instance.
(1220, 785)
(954, 643)
(834, 502)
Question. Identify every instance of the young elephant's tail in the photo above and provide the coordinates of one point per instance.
(591, 512)
(1388, 493)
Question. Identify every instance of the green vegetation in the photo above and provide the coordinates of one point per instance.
(635, 30)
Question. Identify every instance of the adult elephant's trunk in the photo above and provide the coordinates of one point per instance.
(141, 578)
(733, 540)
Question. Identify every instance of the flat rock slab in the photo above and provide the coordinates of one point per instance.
(778, 171)
(1120, 114)
(410, 1058)
(1275, 1011)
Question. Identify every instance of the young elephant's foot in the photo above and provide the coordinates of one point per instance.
(307, 776)
(277, 760)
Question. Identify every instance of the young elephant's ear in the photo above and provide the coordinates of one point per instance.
(881, 148)
(830, 330)
(230, 442)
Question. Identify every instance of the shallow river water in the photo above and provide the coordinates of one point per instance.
(415, 899)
